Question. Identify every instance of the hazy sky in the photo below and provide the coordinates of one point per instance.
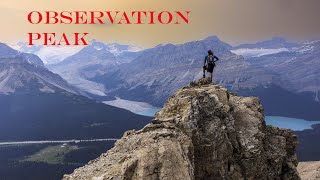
(234, 21)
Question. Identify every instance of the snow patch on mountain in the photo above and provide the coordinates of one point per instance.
(307, 47)
(47, 89)
(257, 52)
(89, 86)
(4, 79)
(98, 48)
(118, 49)
(76, 80)
(54, 82)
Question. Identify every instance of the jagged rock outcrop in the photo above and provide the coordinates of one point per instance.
(203, 132)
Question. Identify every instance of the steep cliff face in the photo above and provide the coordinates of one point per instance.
(203, 132)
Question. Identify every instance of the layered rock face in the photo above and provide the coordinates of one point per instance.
(203, 132)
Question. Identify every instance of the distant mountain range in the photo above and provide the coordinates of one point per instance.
(50, 54)
(25, 73)
(273, 46)
(298, 68)
(274, 43)
(7, 52)
(268, 69)
(55, 54)
(92, 61)
(159, 71)
(36, 104)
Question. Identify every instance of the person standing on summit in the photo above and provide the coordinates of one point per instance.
(209, 64)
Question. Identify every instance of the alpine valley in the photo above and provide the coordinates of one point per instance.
(67, 92)
(284, 75)
(38, 105)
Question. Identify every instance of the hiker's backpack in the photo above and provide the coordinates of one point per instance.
(210, 59)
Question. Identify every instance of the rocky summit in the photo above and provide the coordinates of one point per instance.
(203, 132)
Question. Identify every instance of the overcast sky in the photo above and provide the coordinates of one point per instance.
(233, 21)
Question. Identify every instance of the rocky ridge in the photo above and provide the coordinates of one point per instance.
(203, 132)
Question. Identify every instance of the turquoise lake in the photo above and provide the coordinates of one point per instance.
(282, 122)
(149, 112)
(290, 123)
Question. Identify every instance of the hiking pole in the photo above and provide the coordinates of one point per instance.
(204, 71)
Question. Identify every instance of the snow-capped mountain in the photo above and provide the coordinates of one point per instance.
(87, 63)
(36, 104)
(25, 73)
(123, 53)
(255, 52)
(296, 64)
(308, 47)
(8, 52)
(48, 54)
(92, 61)
(299, 67)
(263, 48)
(24, 47)
(55, 54)
(274, 43)
(118, 49)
